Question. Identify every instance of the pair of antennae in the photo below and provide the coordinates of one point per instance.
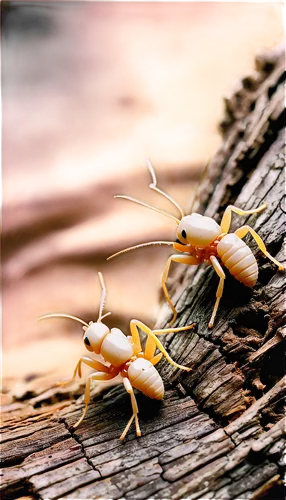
(153, 186)
(101, 306)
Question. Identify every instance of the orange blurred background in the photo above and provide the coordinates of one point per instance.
(89, 90)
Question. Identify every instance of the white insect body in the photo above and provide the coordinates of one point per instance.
(144, 377)
(237, 257)
(201, 239)
(123, 356)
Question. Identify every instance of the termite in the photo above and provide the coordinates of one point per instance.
(122, 355)
(201, 239)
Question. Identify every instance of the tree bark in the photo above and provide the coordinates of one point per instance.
(219, 431)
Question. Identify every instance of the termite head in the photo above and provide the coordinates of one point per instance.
(195, 229)
(94, 335)
(198, 230)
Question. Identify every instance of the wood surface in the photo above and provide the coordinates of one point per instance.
(219, 431)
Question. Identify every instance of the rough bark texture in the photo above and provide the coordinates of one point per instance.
(219, 431)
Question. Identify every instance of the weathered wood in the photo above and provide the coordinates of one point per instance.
(219, 431)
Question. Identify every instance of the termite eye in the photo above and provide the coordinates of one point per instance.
(86, 341)
(184, 234)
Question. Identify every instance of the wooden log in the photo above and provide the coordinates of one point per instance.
(219, 431)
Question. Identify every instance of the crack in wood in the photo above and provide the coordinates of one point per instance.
(74, 436)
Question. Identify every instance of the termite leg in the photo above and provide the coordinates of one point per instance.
(243, 230)
(96, 365)
(156, 358)
(150, 349)
(183, 259)
(226, 218)
(219, 270)
(135, 324)
(77, 370)
(129, 389)
(92, 363)
(174, 330)
(151, 345)
(93, 376)
(135, 339)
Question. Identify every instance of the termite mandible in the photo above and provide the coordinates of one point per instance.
(122, 355)
(201, 239)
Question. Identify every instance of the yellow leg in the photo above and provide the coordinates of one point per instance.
(174, 330)
(122, 437)
(77, 369)
(93, 376)
(183, 259)
(135, 324)
(219, 270)
(156, 358)
(151, 345)
(129, 389)
(88, 361)
(96, 365)
(135, 339)
(226, 218)
(150, 348)
(242, 231)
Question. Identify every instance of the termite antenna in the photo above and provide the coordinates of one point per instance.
(103, 298)
(104, 316)
(59, 315)
(140, 246)
(139, 202)
(153, 186)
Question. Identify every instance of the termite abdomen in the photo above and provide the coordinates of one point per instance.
(237, 257)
